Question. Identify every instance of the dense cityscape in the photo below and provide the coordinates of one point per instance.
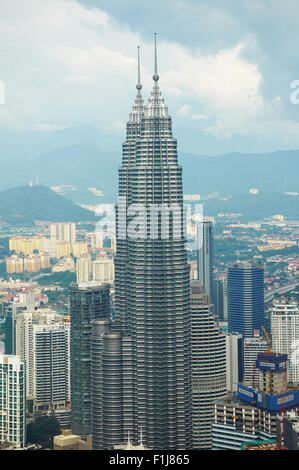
(148, 324)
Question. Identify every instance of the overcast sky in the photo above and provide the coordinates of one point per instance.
(225, 67)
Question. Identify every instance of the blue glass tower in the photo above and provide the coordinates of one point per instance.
(245, 297)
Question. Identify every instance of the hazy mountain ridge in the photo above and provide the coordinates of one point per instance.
(85, 166)
(23, 205)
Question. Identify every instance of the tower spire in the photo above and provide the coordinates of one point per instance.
(138, 86)
(156, 76)
(156, 106)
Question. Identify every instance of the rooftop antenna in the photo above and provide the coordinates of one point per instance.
(138, 86)
(156, 76)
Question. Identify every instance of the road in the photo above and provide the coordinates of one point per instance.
(280, 290)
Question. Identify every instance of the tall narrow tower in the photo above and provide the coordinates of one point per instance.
(152, 275)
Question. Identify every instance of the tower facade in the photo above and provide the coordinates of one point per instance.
(89, 301)
(152, 276)
(205, 264)
(208, 366)
(245, 297)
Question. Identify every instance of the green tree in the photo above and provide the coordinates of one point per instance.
(42, 430)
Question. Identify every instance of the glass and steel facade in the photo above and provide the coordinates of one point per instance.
(87, 302)
(245, 297)
(152, 281)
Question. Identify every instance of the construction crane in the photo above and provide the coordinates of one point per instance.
(268, 337)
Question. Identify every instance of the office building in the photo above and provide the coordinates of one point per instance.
(111, 385)
(88, 302)
(206, 258)
(208, 366)
(152, 286)
(218, 292)
(245, 284)
(291, 430)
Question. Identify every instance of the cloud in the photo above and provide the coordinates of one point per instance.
(185, 111)
(64, 64)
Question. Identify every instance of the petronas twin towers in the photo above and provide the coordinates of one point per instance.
(152, 288)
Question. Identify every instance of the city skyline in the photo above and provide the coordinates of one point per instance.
(149, 255)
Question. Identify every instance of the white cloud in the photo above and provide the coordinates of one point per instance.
(185, 111)
(66, 65)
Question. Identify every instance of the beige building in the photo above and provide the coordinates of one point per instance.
(84, 268)
(63, 232)
(65, 264)
(69, 441)
(103, 270)
(48, 246)
(24, 245)
(63, 250)
(96, 241)
(14, 264)
(78, 248)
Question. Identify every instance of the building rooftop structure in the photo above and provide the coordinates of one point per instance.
(260, 445)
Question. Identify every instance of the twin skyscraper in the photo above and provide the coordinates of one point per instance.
(137, 380)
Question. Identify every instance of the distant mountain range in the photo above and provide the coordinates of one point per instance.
(82, 164)
(85, 166)
(23, 205)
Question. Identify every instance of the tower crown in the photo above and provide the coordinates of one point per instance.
(138, 107)
(156, 106)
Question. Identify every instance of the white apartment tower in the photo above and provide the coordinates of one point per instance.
(12, 400)
(63, 232)
(50, 351)
(103, 270)
(285, 337)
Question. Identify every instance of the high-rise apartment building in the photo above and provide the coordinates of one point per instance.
(152, 286)
(10, 326)
(12, 400)
(63, 249)
(88, 302)
(63, 232)
(245, 283)
(84, 268)
(208, 366)
(285, 337)
(103, 270)
(78, 248)
(24, 332)
(50, 367)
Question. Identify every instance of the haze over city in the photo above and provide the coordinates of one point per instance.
(149, 157)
